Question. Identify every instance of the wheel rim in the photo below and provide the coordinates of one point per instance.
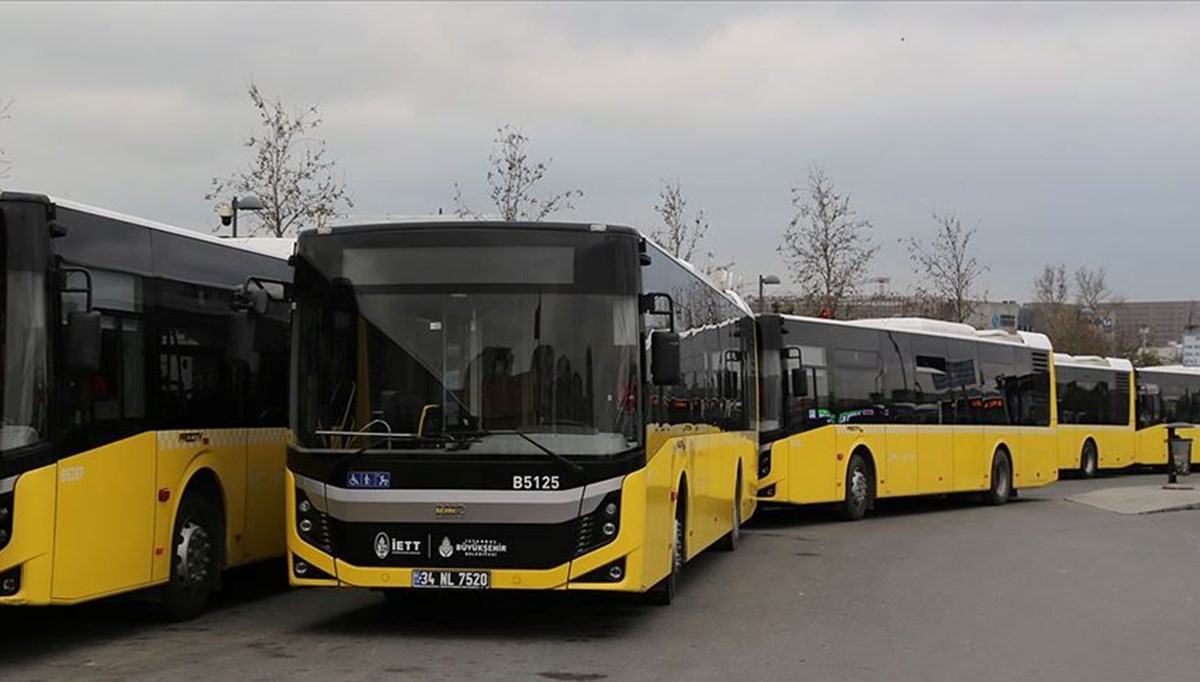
(1089, 462)
(1001, 477)
(858, 487)
(193, 556)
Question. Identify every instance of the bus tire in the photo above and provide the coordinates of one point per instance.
(194, 559)
(663, 593)
(1089, 460)
(731, 540)
(1001, 488)
(860, 489)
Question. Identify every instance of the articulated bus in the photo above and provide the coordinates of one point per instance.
(144, 417)
(513, 406)
(854, 411)
(1167, 394)
(1096, 411)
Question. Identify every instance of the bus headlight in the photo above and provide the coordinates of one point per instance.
(6, 518)
(312, 524)
(10, 582)
(601, 526)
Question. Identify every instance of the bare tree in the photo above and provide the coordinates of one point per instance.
(512, 179)
(290, 172)
(1098, 306)
(827, 246)
(678, 232)
(949, 272)
(5, 164)
(1071, 320)
(1051, 294)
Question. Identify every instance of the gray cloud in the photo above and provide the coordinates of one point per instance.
(1068, 131)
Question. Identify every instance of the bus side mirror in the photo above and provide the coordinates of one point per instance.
(665, 363)
(799, 383)
(240, 347)
(252, 300)
(83, 341)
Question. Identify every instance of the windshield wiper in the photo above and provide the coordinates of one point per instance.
(516, 432)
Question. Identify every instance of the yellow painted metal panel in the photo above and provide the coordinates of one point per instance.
(266, 455)
(935, 459)
(972, 459)
(181, 456)
(898, 471)
(813, 473)
(105, 519)
(32, 542)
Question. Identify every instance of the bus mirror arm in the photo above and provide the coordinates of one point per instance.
(255, 296)
(64, 279)
(649, 305)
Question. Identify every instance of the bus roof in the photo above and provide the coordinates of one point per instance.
(274, 247)
(928, 327)
(443, 221)
(1092, 361)
(1172, 369)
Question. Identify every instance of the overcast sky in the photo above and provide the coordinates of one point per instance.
(1067, 132)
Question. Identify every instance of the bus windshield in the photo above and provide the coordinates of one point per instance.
(494, 350)
(23, 401)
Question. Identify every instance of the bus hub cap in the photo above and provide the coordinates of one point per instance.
(193, 554)
(858, 486)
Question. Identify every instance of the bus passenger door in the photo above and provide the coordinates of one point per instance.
(934, 412)
(898, 470)
(969, 415)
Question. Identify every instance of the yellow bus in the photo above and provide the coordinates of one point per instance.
(143, 416)
(1096, 411)
(488, 405)
(1166, 394)
(855, 411)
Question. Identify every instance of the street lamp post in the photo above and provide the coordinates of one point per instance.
(762, 280)
(229, 213)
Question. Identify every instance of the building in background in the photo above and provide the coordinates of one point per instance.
(1158, 323)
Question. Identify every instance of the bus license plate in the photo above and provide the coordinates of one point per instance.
(453, 580)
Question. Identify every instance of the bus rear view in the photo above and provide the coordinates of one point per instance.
(467, 411)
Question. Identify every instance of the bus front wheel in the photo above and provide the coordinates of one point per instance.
(859, 484)
(663, 593)
(731, 540)
(194, 568)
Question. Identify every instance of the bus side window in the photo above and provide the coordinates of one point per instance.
(110, 403)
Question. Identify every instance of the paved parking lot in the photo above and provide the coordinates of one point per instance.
(1041, 589)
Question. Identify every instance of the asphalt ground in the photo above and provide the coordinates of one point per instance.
(933, 589)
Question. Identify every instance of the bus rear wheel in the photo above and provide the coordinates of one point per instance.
(859, 489)
(1001, 487)
(1089, 461)
(194, 559)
